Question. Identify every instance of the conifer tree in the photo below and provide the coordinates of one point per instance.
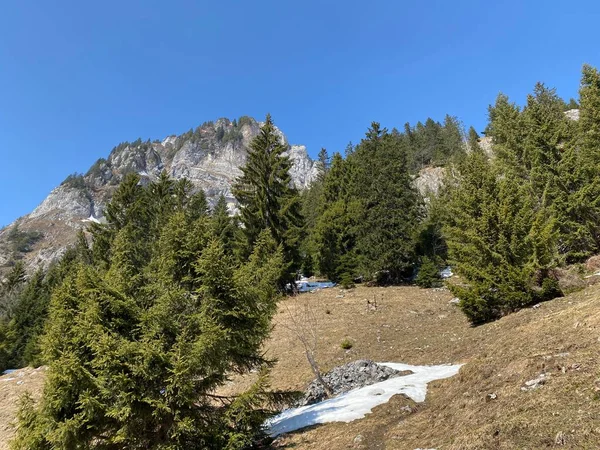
(579, 210)
(324, 162)
(506, 129)
(499, 239)
(390, 206)
(223, 226)
(137, 348)
(336, 227)
(546, 129)
(267, 199)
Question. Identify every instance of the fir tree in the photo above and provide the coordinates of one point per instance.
(499, 239)
(136, 348)
(324, 162)
(223, 225)
(267, 199)
(580, 174)
(335, 229)
(390, 206)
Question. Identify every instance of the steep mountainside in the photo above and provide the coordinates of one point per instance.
(210, 156)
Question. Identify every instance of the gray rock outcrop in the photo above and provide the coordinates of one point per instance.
(350, 376)
(209, 156)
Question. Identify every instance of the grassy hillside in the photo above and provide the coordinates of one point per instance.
(559, 338)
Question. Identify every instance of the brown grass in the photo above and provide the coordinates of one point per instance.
(12, 386)
(559, 338)
(418, 326)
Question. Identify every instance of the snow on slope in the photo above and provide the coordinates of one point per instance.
(359, 402)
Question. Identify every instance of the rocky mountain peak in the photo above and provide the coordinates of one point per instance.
(210, 156)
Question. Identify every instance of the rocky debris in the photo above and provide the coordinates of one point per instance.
(350, 376)
(486, 145)
(536, 383)
(565, 369)
(446, 273)
(568, 279)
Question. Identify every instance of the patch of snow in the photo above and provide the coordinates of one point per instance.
(446, 273)
(143, 173)
(359, 402)
(311, 286)
(91, 219)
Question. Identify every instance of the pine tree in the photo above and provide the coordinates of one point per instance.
(452, 141)
(429, 274)
(15, 277)
(390, 206)
(336, 227)
(137, 348)
(499, 239)
(128, 205)
(546, 130)
(267, 199)
(506, 129)
(223, 226)
(324, 162)
(10, 290)
(579, 211)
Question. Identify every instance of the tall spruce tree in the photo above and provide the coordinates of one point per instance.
(267, 198)
(335, 230)
(500, 240)
(390, 206)
(579, 208)
(137, 346)
(223, 225)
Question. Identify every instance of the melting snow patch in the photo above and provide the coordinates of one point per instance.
(91, 219)
(446, 273)
(359, 402)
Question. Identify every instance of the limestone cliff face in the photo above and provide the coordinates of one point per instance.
(210, 156)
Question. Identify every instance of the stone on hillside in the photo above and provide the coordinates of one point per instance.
(350, 376)
(536, 383)
(572, 114)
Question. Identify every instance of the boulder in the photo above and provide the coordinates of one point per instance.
(350, 376)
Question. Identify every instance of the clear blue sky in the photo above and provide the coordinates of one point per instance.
(78, 77)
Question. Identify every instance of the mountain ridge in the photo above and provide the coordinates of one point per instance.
(210, 156)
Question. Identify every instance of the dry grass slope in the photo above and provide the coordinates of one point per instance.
(417, 326)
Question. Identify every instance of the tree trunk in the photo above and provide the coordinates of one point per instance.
(317, 372)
